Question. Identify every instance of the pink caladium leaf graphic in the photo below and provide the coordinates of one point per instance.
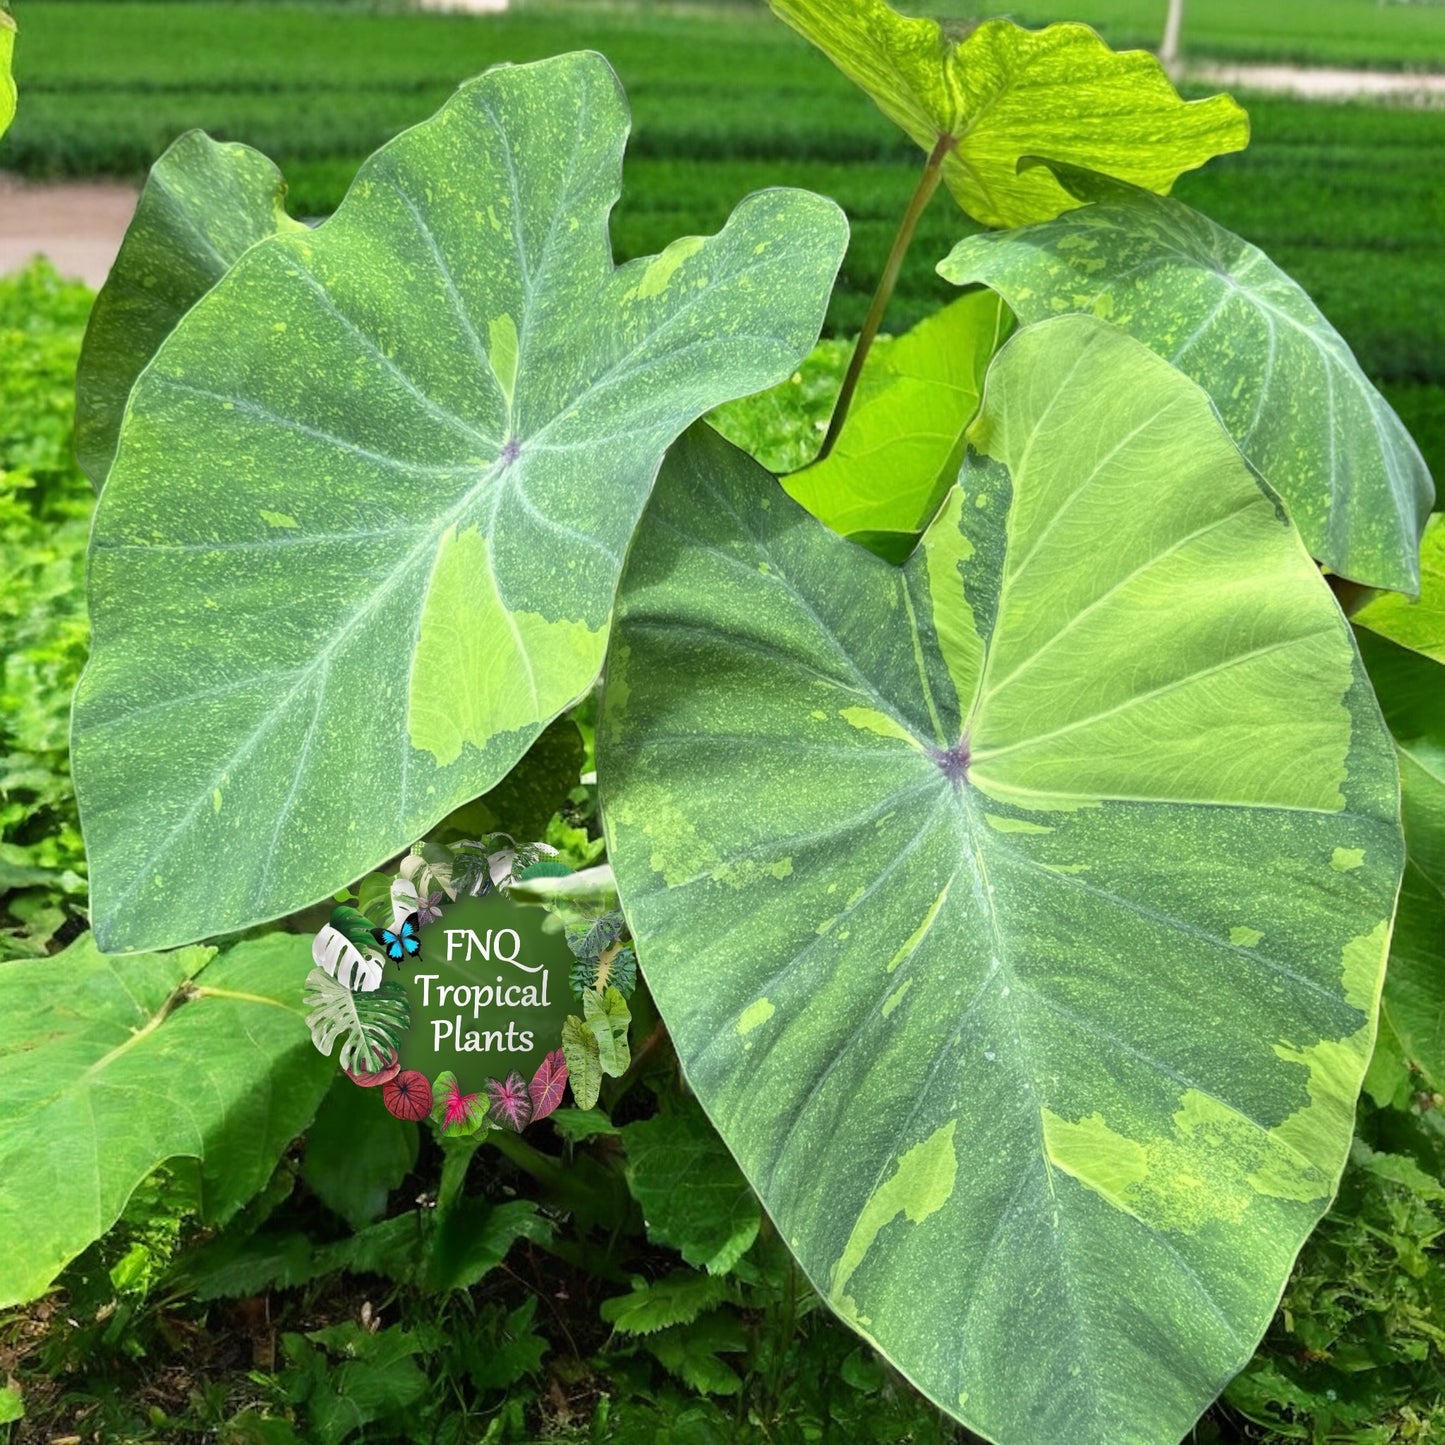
(511, 1103)
(428, 909)
(548, 1084)
(454, 1112)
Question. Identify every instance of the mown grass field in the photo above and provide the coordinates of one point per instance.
(1350, 198)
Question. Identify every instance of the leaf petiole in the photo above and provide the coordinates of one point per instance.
(917, 205)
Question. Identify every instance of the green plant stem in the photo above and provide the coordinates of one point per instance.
(927, 185)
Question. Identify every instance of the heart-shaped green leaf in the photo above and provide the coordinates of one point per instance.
(7, 79)
(1002, 93)
(900, 449)
(110, 1068)
(1046, 880)
(362, 535)
(1286, 384)
(204, 205)
(1418, 625)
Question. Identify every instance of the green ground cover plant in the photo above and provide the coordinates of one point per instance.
(1029, 986)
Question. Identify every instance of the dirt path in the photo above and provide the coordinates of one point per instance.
(79, 227)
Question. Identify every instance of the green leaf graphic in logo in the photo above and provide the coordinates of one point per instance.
(363, 530)
(370, 1025)
(1064, 858)
(1286, 385)
(1003, 92)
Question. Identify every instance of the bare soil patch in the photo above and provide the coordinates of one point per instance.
(78, 226)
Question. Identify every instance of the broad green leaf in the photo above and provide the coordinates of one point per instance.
(204, 205)
(110, 1067)
(691, 1193)
(357, 1153)
(1286, 385)
(7, 79)
(1411, 690)
(1002, 93)
(1018, 915)
(900, 449)
(1418, 625)
(361, 538)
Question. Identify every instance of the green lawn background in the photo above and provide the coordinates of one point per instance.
(1350, 198)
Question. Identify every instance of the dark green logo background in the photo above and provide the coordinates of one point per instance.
(477, 992)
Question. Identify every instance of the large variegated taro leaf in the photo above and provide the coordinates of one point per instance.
(361, 538)
(111, 1068)
(1001, 93)
(1019, 914)
(1285, 383)
(204, 205)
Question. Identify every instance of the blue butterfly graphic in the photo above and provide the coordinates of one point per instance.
(401, 944)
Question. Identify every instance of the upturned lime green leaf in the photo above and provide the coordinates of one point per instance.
(1418, 625)
(110, 1067)
(1411, 690)
(1285, 383)
(1047, 879)
(361, 538)
(204, 205)
(1002, 93)
(902, 444)
(7, 79)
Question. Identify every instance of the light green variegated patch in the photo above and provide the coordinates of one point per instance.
(362, 535)
(204, 205)
(1001, 93)
(1285, 383)
(1126, 723)
(900, 449)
